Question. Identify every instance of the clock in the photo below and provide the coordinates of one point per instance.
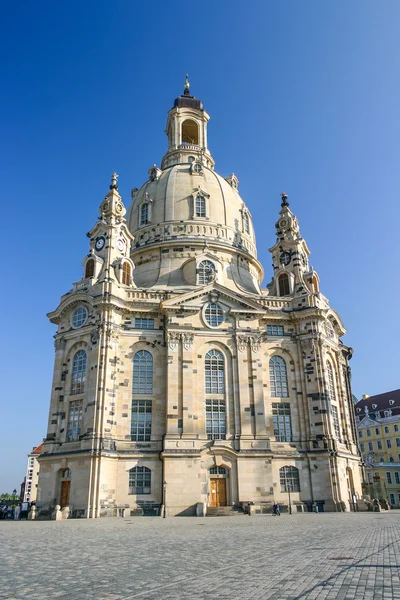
(121, 245)
(99, 243)
(285, 258)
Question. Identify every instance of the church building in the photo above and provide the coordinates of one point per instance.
(181, 385)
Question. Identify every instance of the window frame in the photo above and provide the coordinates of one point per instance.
(216, 419)
(282, 421)
(142, 381)
(289, 475)
(206, 272)
(213, 314)
(141, 427)
(278, 377)
(140, 474)
(77, 320)
(275, 330)
(78, 374)
(75, 419)
(284, 289)
(214, 372)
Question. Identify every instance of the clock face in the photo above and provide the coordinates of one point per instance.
(285, 258)
(121, 245)
(100, 243)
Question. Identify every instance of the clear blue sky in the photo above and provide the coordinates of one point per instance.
(304, 97)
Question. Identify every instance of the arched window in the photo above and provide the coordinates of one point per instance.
(278, 377)
(191, 159)
(89, 270)
(215, 372)
(200, 206)
(142, 373)
(190, 132)
(126, 273)
(289, 479)
(144, 213)
(330, 382)
(206, 272)
(246, 222)
(284, 286)
(140, 480)
(78, 373)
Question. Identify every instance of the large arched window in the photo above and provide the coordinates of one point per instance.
(278, 377)
(289, 479)
(190, 132)
(215, 372)
(205, 272)
(142, 373)
(284, 285)
(126, 273)
(89, 269)
(140, 480)
(330, 382)
(78, 373)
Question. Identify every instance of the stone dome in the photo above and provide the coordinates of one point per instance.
(186, 213)
(172, 197)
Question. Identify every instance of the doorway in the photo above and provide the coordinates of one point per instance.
(65, 487)
(217, 492)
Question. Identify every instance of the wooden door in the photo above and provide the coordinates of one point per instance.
(65, 488)
(217, 492)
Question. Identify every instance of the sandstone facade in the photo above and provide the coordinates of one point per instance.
(178, 381)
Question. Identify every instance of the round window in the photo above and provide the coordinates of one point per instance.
(214, 315)
(79, 317)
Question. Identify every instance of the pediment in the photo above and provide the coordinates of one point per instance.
(367, 422)
(213, 292)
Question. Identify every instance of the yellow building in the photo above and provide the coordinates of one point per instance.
(378, 422)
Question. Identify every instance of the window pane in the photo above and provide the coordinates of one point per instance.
(206, 272)
(282, 422)
(78, 373)
(214, 372)
(278, 377)
(140, 480)
(214, 314)
(141, 420)
(143, 373)
(275, 330)
(289, 479)
(216, 419)
(74, 420)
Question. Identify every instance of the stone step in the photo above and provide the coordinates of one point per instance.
(223, 511)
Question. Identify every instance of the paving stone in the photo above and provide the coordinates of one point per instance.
(316, 557)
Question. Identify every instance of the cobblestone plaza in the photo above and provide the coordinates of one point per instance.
(322, 556)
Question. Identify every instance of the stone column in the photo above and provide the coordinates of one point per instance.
(257, 382)
(172, 387)
(188, 401)
(246, 406)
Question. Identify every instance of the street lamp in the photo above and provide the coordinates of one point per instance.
(165, 498)
(288, 487)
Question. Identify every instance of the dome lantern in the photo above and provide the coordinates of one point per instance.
(187, 131)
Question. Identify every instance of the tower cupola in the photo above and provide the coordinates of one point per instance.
(187, 132)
